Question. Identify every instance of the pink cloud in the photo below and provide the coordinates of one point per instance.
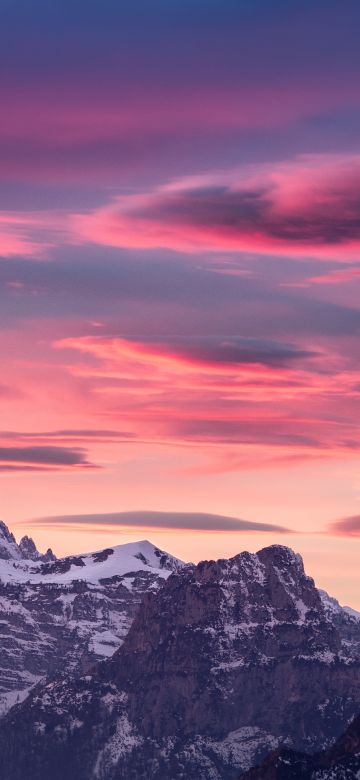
(305, 206)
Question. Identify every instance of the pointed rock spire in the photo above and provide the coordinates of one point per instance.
(28, 549)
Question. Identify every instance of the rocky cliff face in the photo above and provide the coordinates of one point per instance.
(340, 762)
(228, 660)
(67, 613)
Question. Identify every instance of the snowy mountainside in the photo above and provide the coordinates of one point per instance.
(67, 613)
(92, 567)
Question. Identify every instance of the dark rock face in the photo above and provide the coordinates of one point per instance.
(340, 762)
(227, 661)
(229, 637)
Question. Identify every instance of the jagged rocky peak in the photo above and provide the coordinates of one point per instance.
(275, 556)
(48, 556)
(281, 555)
(270, 584)
(5, 533)
(28, 549)
(9, 550)
(30, 552)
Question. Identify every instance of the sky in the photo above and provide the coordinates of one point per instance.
(180, 277)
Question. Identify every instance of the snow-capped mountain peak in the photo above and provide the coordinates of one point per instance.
(9, 550)
(71, 612)
(25, 564)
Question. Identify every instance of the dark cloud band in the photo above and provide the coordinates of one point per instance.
(43, 456)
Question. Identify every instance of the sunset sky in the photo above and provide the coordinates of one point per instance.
(180, 277)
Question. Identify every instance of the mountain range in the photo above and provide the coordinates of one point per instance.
(205, 669)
